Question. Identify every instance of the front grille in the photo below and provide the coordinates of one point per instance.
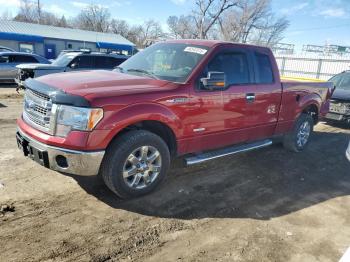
(40, 110)
(338, 107)
(37, 110)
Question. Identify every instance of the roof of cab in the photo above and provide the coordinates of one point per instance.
(210, 43)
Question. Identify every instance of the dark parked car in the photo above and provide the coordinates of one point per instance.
(73, 61)
(9, 61)
(340, 103)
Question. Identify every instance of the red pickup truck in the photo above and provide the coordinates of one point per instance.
(198, 98)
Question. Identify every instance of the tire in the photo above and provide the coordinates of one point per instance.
(135, 163)
(296, 141)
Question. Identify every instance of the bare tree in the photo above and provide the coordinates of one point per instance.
(27, 12)
(271, 33)
(135, 35)
(182, 27)
(31, 11)
(152, 29)
(120, 27)
(252, 21)
(207, 13)
(63, 22)
(94, 18)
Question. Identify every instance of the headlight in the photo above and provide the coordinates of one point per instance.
(75, 118)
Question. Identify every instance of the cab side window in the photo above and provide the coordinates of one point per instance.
(116, 61)
(24, 59)
(264, 74)
(108, 62)
(101, 62)
(234, 65)
(82, 62)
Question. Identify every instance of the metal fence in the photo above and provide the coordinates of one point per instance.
(319, 68)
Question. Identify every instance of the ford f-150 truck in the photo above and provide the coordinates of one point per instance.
(200, 99)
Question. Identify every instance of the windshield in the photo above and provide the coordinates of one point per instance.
(63, 60)
(341, 81)
(167, 61)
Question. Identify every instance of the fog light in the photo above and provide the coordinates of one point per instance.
(61, 161)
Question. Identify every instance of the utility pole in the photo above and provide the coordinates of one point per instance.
(39, 12)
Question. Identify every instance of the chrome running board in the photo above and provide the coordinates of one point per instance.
(192, 160)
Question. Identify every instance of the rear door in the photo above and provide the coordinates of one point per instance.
(261, 99)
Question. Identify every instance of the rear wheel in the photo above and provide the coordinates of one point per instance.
(135, 163)
(299, 137)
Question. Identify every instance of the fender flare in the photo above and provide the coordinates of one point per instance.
(136, 113)
(309, 100)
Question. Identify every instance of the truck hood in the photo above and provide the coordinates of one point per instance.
(39, 66)
(103, 83)
(341, 94)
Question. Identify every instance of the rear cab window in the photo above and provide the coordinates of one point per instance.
(264, 72)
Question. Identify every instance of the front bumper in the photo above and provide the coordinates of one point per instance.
(60, 159)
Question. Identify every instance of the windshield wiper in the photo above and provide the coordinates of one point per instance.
(143, 72)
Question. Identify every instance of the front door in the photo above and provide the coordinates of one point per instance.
(50, 51)
(220, 115)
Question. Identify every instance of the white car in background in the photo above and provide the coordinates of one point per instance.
(348, 152)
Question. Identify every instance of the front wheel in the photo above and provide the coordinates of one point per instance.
(299, 137)
(135, 163)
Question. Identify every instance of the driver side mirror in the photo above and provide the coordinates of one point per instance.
(214, 80)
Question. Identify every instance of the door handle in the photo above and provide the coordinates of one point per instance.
(250, 97)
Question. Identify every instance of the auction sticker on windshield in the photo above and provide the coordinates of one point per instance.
(196, 50)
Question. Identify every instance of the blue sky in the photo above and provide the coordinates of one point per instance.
(311, 22)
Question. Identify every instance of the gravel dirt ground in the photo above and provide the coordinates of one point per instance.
(267, 205)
